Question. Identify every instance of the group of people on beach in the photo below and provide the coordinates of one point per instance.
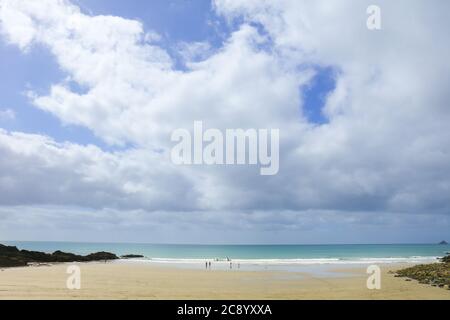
(208, 264)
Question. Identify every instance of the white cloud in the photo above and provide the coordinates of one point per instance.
(385, 148)
(7, 114)
(37, 170)
(152, 36)
(56, 223)
(195, 51)
(129, 81)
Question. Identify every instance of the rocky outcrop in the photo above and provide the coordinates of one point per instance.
(131, 256)
(102, 255)
(12, 257)
(443, 242)
(435, 274)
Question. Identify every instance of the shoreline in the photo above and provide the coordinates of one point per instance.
(131, 280)
(330, 269)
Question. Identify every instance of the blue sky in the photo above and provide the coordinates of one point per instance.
(90, 89)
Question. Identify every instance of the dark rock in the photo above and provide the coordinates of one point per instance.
(8, 249)
(443, 242)
(60, 256)
(36, 256)
(13, 257)
(435, 274)
(101, 256)
(130, 256)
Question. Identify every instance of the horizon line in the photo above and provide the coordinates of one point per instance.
(225, 244)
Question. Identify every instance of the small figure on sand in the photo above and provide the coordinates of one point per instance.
(206, 265)
(209, 264)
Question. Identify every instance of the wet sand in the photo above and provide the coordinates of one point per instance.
(147, 281)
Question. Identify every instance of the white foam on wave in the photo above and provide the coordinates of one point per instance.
(318, 261)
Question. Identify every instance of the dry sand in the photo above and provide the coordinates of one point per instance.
(142, 281)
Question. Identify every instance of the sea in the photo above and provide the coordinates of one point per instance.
(253, 257)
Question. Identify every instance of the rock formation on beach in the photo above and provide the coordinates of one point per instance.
(12, 257)
(131, 256)
(435, 274)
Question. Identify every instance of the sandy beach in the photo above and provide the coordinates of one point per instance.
(146, 281)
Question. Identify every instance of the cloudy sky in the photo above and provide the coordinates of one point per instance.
(91, 90)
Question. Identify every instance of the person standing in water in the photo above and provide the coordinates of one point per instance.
(209, 264)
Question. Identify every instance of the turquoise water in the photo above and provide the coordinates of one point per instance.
(264, 253)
